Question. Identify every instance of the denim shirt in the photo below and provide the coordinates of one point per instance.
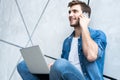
(91, 70)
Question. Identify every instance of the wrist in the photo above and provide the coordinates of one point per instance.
(84, 28)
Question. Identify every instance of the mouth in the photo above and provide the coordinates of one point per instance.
(72, 19)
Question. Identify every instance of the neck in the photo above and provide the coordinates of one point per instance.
(77, 31)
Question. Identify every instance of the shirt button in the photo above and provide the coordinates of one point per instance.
(84, 74)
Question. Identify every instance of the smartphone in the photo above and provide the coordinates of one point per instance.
(86, 14)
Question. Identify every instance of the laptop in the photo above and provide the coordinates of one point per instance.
(35, 60)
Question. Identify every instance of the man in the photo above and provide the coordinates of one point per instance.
(83, 51)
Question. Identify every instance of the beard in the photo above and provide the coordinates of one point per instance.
(75, 24)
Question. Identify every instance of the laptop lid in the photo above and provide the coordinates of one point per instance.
(35, 60)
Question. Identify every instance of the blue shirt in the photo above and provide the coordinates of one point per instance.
(91, 70)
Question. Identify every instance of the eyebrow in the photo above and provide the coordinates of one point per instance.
(74, 10)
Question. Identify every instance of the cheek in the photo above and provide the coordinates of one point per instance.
(77, 16)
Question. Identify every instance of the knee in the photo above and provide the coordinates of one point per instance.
(60, 65)
(21, 67)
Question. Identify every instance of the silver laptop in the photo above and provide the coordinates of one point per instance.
(35, 60)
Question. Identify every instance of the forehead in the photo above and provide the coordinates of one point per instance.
(75, 7)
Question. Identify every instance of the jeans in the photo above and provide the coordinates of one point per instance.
(60, 70)
(26, 75)
(64, 70)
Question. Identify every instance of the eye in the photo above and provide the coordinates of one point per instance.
(69, 12)
(74, 11)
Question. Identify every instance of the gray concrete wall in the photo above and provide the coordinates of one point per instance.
(47, 22)
(106, 16)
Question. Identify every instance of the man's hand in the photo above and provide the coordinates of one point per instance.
(49, 65)
(84, 21)
(90, 48)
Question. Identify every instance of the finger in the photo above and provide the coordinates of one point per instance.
(82, 15)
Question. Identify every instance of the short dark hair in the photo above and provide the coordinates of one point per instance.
(85, 8)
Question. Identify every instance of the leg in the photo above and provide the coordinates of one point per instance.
(24, 72)
(64, 70)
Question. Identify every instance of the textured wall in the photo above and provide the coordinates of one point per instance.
(46, 21)
(106, 16)
(42, 20)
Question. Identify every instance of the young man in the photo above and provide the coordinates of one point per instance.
(83, 51)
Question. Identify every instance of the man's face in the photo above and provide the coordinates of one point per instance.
(74, 14)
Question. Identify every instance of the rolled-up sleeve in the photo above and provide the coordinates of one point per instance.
(101, 42)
